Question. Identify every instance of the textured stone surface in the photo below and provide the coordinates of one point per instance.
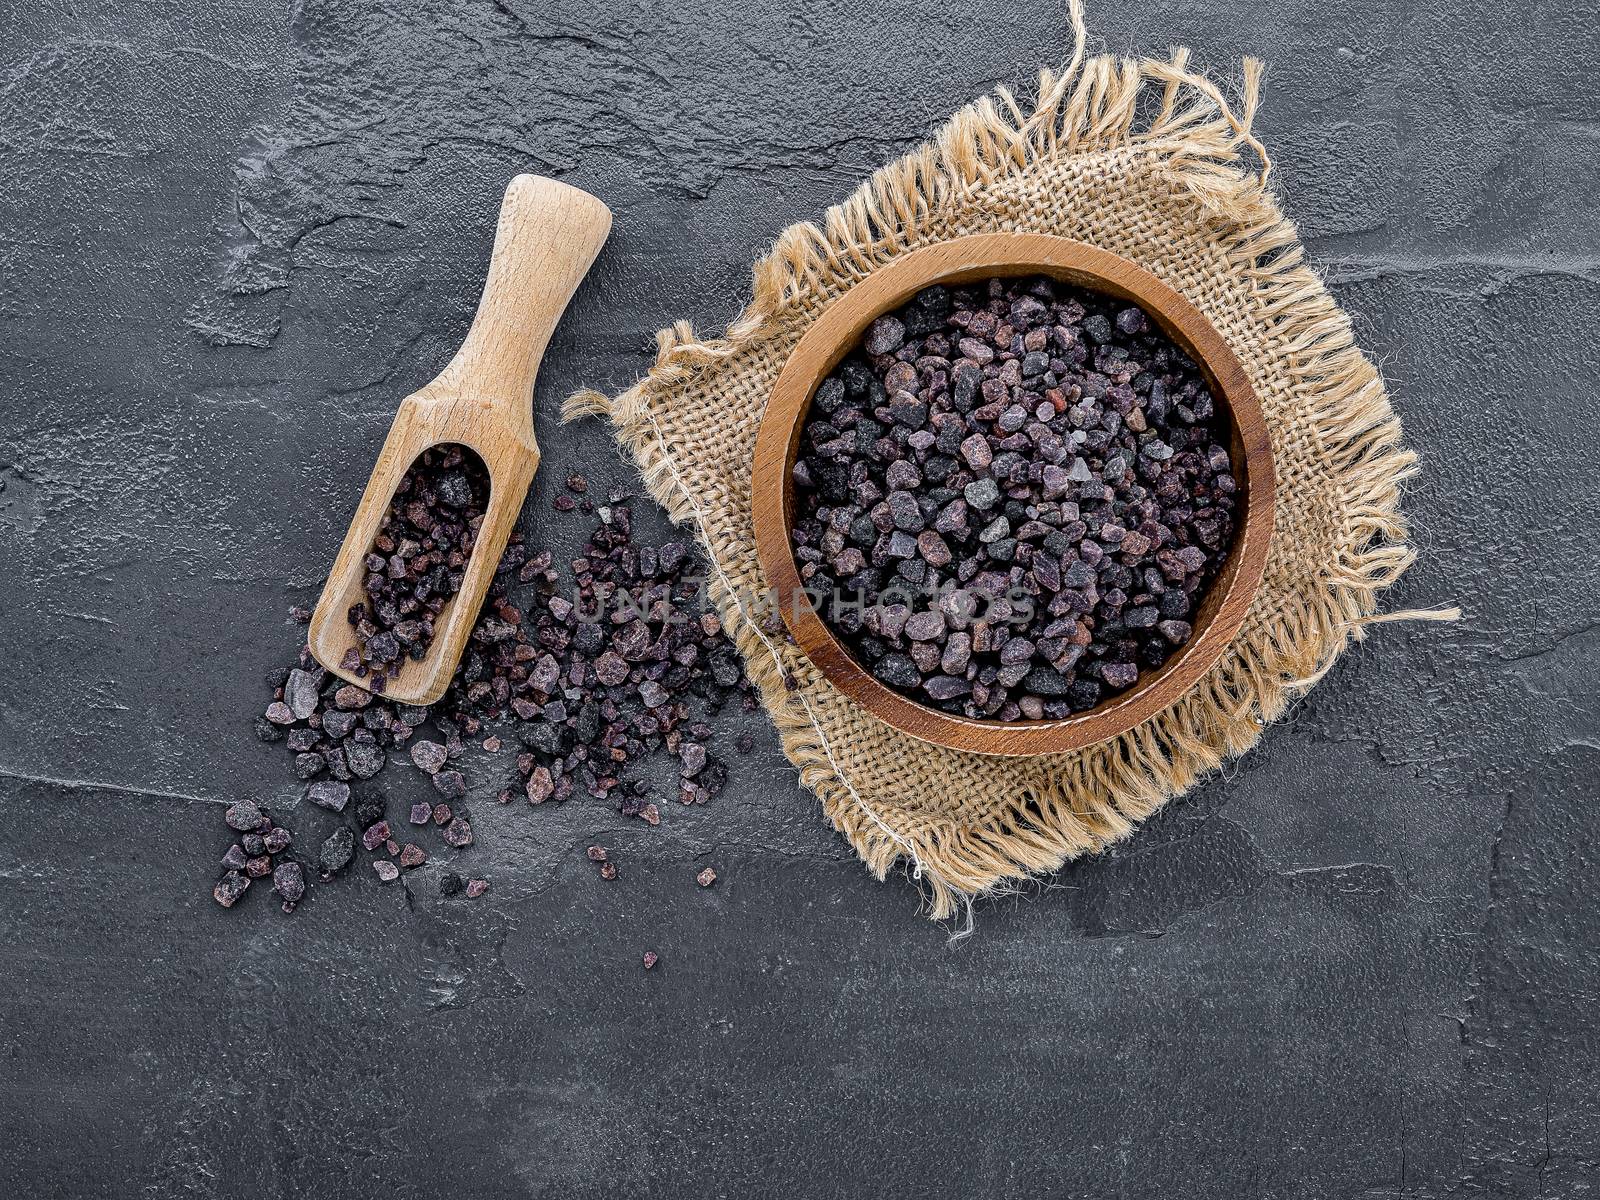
(233, 234)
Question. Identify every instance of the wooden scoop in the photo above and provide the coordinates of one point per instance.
(548, 235)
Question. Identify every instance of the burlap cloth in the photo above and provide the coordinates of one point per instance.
(1149, 160)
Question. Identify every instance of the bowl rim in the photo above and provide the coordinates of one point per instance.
(837, 331)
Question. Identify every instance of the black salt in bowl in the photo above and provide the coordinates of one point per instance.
(1011, 497)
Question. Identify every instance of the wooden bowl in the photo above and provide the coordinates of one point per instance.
(965, 260)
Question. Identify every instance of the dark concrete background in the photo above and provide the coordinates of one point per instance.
(234, 233)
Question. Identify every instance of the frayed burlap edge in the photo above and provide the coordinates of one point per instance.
(1203, 145)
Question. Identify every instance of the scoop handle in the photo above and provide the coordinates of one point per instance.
(548, 235)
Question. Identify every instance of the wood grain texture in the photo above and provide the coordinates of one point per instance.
(966, 260)
(548, 235)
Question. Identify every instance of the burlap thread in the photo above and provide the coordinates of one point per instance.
(1147, 159)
